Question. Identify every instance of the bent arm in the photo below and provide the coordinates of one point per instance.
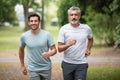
(63, 47)
(53, 50)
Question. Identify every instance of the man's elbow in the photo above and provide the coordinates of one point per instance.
(60, 50)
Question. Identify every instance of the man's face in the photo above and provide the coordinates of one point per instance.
(34, 23)
(74, 17)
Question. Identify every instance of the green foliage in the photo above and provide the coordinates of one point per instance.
(117, 38)
(103, 26)
(101, 15)
(103, 20)
(7, 10)
(109, 10)
(64, 5)
(102, 6)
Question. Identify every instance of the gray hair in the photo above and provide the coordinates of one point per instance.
(74, 8)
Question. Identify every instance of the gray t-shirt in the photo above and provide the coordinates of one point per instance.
(75, 54)
(37, 44)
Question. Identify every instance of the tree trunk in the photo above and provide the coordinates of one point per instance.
(26, 7)
(42, 21)
(25, 17)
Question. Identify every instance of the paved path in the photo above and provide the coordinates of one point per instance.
(58, 58)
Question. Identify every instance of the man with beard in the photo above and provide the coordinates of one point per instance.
(75, 41)
(38, 43)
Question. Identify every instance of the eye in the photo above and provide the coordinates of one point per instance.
(36, 20)
(75, 14)
(31, 20)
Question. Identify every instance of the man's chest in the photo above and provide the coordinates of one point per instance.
(36, 41)
(76, 34)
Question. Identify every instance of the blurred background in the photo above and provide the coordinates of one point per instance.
(103, 16)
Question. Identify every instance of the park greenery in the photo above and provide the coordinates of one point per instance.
(101, 15)
(9, 40)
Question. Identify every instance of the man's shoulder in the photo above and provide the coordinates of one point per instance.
(25, 33)
(45, 31)
(65, 26)
(85, 26)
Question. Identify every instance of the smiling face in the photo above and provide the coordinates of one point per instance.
(34, 23)
(74, 17)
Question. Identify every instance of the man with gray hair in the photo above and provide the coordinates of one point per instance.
(75, 40)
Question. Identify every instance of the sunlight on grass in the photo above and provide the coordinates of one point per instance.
(9, 38)
(11, 71)
(103, 73)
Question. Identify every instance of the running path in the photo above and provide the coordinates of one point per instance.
(58, 58)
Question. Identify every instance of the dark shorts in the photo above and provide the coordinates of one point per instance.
(74, 71)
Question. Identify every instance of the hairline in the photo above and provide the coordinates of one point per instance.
(34, 15)
(73, 8)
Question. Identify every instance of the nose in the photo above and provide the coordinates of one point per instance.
(74, 16)
(33, 22)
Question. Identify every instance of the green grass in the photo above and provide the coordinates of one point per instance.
(9, 39)
(11, 71)
(103, 73)
(9, 43)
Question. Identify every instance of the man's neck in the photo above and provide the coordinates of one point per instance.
(75, 25)
(35, 31)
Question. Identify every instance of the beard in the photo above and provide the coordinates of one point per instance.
(74, 21)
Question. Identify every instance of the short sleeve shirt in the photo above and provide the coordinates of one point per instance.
(37, 44)
(75, 53)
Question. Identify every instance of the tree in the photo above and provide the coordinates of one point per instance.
(7, 13)
(101, 15)
(64, 5)
(25, 4)
(108, 22)
(116, 8)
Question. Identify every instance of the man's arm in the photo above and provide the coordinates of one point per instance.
(21, 57)
(89, 46)
(51, 52)
(63, 47)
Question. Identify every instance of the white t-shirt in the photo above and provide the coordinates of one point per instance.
(75, 54)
